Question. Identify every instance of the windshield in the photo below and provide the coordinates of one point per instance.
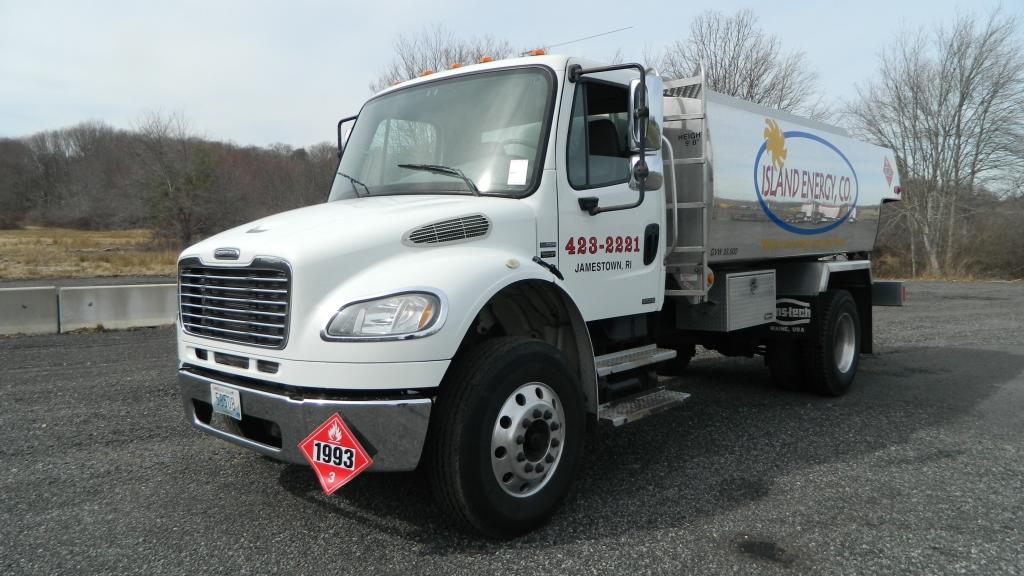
(476, 134)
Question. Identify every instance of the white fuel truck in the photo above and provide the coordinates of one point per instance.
(510, 254)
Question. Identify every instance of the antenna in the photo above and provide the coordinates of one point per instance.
(589, 37)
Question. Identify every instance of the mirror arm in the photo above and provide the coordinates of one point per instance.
(640, 171)
(340, 122)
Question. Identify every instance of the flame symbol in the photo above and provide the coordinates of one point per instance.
(775, 142)
(334, 433)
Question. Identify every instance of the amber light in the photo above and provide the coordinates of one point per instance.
(486, 59)
(427, 72)
(428, 312)
(456, 65)
(536, 52)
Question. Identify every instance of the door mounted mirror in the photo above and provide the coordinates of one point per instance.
(645, 113)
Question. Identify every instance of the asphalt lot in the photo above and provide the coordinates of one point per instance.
(920, 469)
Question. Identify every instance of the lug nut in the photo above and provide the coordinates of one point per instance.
(536, 412)
(554, 426)
(519, 439)
(549, 458)
(547, 414)
(520, 457)
(540, 468)
(554, 442)
(526, 423)
(529, 467)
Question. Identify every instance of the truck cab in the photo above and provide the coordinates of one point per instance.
(497, 269)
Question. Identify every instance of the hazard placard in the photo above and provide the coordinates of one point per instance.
(334, 453)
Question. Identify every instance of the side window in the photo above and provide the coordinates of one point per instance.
(597, 153)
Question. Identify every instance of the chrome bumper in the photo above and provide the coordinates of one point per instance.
(273, 424)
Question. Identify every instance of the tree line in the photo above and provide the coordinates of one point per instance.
(948, 100)
(158, 175)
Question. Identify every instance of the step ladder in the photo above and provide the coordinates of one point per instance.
(633, 358)
(640, 405)
(694, 272)
(644, 403)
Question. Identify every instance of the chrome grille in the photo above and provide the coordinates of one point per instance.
(450, 230)
(248, 305)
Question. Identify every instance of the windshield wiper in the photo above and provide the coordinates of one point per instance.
(355, 182)
(445, 170)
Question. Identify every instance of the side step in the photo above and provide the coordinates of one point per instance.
(637, 406)
(633, 358)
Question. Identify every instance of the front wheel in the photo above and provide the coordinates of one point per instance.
(506, 436)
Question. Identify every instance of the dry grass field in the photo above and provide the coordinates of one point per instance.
(62, 253)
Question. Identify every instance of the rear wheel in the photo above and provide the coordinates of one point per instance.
(506, 436)
(834, 354)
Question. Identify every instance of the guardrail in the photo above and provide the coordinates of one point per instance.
(52, 310)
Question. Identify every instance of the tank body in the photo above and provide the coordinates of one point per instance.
(778, 186)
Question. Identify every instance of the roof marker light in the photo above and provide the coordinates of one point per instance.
(486, 59)
(454, 66)
(427, 72)
(536, 52)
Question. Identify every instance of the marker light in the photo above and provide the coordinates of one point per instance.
(486, 59)
(536, 52)
(427, 72)
(396, 317)
(456, 65)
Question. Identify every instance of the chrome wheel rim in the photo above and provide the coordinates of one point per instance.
(845, 343)
(527, 439)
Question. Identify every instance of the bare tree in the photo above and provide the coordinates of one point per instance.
(178, 172)
(437, 48)
(951, 105)
(741, 59)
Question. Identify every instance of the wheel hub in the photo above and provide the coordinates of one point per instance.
(526, 443)
(845, 343)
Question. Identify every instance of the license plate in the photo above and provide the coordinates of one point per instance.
(226, 401)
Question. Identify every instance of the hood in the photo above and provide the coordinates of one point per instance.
(328, 231)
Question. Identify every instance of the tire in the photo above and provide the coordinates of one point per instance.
(785, 365)
(834, 354)
(676, 366)
(508, 408)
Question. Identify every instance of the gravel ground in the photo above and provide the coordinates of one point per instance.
(919, 469)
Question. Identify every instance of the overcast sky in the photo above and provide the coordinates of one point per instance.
(259, 72)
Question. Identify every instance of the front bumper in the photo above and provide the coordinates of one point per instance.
(274, 422)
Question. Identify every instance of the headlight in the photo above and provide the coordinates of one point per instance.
(400, 316)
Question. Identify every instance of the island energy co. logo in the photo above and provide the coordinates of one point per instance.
(804, 183)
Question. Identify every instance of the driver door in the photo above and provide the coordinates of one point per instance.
(613, 261)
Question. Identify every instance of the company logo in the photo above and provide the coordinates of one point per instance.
(226, 253)
(804, 183)
(790, 312)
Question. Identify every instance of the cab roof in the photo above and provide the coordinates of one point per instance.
(555, 61)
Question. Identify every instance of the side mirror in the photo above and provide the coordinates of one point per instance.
(345, 126)
(646, 113)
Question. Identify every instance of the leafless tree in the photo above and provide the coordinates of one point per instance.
(178, 172)
(951, 105)
(741, 59)
(437, 48)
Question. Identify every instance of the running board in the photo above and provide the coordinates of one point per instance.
(632, 358)
(640, 405)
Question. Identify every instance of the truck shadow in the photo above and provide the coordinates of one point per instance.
(728, 447)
